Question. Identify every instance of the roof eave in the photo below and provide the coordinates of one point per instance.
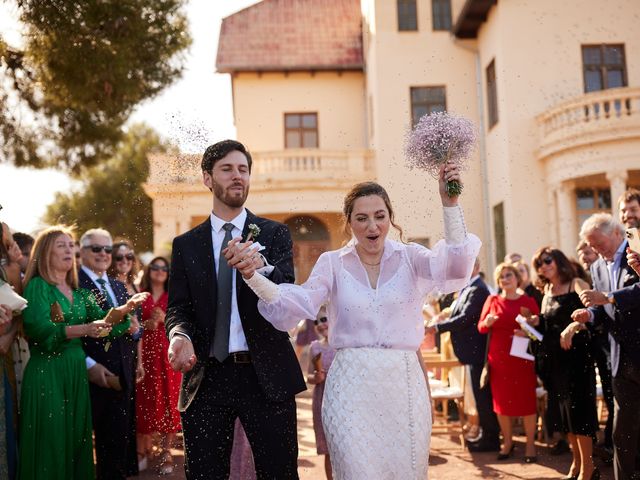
(289, 69)
(473, 14)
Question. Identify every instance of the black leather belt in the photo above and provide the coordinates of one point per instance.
(240, 357)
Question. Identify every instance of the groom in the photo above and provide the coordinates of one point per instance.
(235, 363)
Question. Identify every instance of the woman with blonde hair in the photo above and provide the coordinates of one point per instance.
(512, 379)
(55, 423)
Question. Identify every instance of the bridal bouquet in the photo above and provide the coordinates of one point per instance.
(439, 138)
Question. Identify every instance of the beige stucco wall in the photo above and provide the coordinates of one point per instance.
(427, 59)
(537, 47)
(261, 100)
(537, 51)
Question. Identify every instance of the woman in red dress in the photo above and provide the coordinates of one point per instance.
(157, 393)
(512, 379)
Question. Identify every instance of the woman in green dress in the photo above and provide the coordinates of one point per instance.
(55, 423)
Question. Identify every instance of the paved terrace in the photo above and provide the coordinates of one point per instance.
(448, 461)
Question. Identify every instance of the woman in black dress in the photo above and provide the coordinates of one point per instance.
(564, 359)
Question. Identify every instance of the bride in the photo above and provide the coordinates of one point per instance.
(377, 409)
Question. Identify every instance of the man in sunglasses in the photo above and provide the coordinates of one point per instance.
(235, 363)
(107, 359)
(613, 303)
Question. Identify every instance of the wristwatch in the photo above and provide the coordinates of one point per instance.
(610, 298)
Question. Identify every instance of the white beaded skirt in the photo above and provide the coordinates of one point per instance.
(376, 415)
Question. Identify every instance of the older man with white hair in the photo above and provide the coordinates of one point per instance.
(613, 302)
(113, 377)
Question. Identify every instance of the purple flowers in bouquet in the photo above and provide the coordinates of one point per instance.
(439, 138)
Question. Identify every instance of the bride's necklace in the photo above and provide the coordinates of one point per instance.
(367, 263)
(370, 264)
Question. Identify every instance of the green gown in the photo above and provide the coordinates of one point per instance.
(55, 414)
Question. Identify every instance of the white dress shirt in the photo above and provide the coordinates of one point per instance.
(237, 339)
(92, 275)
(388, 316)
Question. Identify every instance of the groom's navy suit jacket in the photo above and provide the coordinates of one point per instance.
(192, 311)
(468, 344)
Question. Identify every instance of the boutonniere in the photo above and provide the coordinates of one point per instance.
(628, 278)
(254, 231)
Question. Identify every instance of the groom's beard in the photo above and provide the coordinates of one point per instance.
(231, 198)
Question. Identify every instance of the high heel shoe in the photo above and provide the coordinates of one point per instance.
(504, 456)
(166, 466)
(143, 462)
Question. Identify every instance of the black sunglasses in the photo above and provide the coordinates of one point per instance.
(158, 268)
(545, 260)
(98, 248)
(320, 320)
(128, 256)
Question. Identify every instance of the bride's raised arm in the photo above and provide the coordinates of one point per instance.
(448, 266)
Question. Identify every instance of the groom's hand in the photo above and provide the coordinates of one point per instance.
(243, 257)
(181, 355)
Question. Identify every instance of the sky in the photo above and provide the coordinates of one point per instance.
(193, 113)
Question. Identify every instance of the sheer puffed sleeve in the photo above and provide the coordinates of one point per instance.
(448, 266)
(284, 305)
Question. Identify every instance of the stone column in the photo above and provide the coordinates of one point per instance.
(567, 221)
(617, 184)
(553, 214)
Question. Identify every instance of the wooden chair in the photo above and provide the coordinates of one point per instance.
(450, 386)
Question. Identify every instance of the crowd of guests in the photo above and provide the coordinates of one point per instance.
(85, 361)
(87, 358)
(587, 312)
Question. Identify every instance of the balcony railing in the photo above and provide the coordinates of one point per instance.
(312, 165)
(290, 168)
(591, 118)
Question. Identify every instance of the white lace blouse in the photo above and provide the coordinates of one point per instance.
(388, 316)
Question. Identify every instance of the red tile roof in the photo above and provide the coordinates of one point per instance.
(279, 35)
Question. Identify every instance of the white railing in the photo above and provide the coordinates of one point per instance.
(292, 166)
(312, 164)
(594, 115)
